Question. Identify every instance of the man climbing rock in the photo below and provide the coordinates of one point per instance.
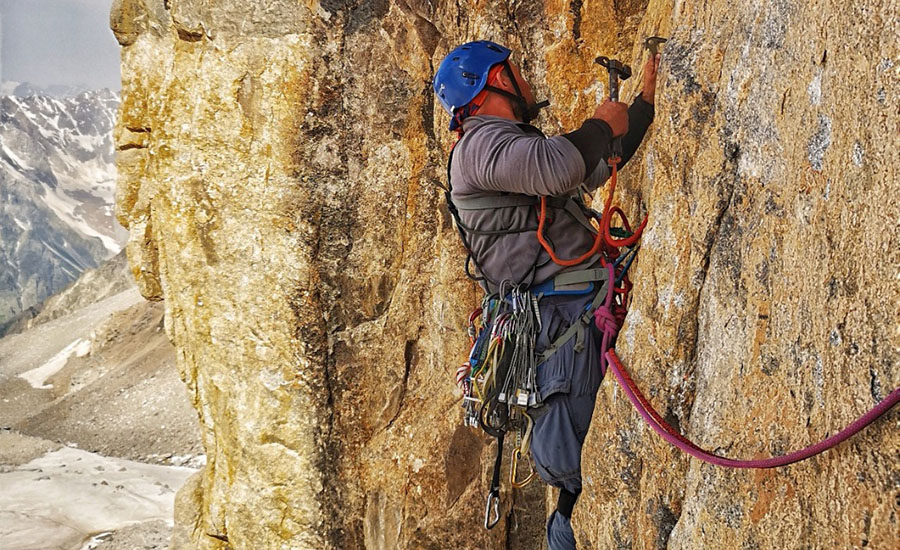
(498, 168)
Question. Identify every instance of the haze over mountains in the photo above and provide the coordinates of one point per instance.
(57, 187)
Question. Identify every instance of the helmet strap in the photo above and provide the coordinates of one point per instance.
(521, 107)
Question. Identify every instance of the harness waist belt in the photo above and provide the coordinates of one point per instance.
(576, 329)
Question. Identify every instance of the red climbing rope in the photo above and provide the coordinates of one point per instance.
(609, 324)
(669, 433)
(608, 211)
(604, 237)
(598, 241)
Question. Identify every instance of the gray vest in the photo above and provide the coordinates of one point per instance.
(498, 172)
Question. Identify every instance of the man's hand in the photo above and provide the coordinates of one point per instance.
(615, 114)
(650, 67)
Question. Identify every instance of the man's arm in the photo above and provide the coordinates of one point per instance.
(594, 141)
(640, 115)
(502, 158)
(641, 112)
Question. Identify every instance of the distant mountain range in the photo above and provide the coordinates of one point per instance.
(57, 189)
(27, 89)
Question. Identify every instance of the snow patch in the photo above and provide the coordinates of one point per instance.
(97, 540)
(66, 496)
(20, 164)
(37, 377)
(65, 207)
(169, 459)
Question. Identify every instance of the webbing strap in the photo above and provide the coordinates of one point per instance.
(558, 202)
(489, 202)
(492, 507)
(582, 276)
(576, 212)
(576, 329)
(471, 231)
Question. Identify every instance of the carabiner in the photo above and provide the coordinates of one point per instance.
(493, 502)
(517, 453)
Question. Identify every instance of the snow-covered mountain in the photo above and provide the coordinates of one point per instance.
(57, 187)
(27, 89)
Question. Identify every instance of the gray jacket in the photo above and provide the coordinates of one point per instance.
(501, 157)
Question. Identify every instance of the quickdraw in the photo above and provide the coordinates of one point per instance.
(499, 379)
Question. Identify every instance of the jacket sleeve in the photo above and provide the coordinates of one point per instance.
(598, 177)
(505, 159)
(594, 141)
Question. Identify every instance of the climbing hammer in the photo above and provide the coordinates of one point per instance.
(617, 70)
(653, 43)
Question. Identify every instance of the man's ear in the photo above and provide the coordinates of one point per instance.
(504, 82)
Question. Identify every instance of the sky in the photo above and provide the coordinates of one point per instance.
(59, 42)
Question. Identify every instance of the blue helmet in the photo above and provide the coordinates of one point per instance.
(463, 74)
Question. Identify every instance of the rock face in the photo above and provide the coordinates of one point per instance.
(278, 166)
(757, 327)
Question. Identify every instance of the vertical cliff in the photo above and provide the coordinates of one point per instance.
(278, 165)
(766, 315)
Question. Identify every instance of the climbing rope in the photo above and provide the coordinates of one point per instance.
(608, 211)
(606, 321)
(603, 241)
(671, 435)
(542, 221)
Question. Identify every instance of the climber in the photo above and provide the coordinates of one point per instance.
(498, 168)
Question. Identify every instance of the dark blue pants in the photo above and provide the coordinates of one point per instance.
(568, 382)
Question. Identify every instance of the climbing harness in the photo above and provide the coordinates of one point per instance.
(499, 378)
